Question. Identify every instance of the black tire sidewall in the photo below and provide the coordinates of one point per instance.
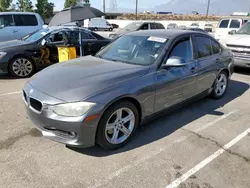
(14, 74)
(101, 138)
(214, 94)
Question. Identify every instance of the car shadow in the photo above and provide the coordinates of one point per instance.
(170, 122)
(241, 70)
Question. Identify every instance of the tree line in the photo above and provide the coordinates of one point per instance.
(42, 7)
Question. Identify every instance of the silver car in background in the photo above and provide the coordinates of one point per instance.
(103, 99)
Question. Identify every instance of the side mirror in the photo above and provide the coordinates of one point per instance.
(43, 42)
(232, 32)
(174, 62)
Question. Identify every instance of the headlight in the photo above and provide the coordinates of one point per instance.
(2, 54)
(72, 109)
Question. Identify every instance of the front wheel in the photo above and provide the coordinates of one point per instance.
(21, 67)
(220, 85)
(117, 125)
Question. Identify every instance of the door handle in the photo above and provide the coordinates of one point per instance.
(90, 43)
(217, 60)
(192, 69)
(15, 31)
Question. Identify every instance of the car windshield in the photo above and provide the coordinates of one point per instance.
(37, 35)
(132, 26)
(245, 29)
(138, 50)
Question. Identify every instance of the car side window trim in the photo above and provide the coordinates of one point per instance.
(212, 40)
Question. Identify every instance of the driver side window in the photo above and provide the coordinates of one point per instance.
(57, 37)
(182, 49)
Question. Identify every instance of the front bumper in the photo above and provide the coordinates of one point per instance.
(67, 130)
(4, 66)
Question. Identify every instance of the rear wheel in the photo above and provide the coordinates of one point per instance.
(21, 67)
(95, 29)
(220, 85)
(117, 125)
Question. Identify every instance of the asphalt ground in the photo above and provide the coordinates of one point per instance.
(203, 145)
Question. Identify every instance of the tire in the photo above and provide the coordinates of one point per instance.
(106, 134)
(220, 85)
(21, 67)
(95, 29)
(110, 29)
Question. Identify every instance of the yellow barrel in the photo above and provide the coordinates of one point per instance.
(66, 53)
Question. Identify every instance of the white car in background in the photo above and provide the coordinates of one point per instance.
(16, 25)
(194, 25)
(228, 25)
(239, 43)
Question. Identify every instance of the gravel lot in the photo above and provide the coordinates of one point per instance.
(204, 145)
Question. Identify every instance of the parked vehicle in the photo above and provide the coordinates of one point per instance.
(21, 58)
(15, 25)
(172, 26)
(99, 24)
(182, 26)
(103, 99)
(136, 26)
(208, 27)
(193, 29)
(226, 25)
(194, 25)
(238, 43)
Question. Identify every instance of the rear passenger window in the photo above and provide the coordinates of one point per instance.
(182, 49)
(87, 36)
(159, 26)
(224, 24)
(153, 26)
(235, 24)
(203, 46)
(25, 20)
(216, 47)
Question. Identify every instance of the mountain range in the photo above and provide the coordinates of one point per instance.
(217, 7)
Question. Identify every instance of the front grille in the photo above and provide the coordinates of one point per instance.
(37, 105)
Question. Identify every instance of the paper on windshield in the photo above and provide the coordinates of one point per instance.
(157, 39)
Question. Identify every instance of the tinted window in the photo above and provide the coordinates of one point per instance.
(153, 26)
(203, 46)
(86, 36)
(216, 47)
(245, 21)
(182, 49)
(159, 26)
(235, 24)
(224, 24)
(144, 27)
(6, 20)
(25, 20)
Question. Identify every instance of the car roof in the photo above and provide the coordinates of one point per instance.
(53, 28)
(163, 33)
(18, 13)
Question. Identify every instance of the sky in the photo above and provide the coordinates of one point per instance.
(143, 4)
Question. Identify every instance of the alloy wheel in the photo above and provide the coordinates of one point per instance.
(221, 84)
(22, 67)
(120, 125)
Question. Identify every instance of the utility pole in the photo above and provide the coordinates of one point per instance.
(136, 9)
(104, 6)
(208, 5)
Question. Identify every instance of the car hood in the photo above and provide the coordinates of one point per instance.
(241, 40)
(11, 43)
(81, 78)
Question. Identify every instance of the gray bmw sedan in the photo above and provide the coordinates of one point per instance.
(103, 99)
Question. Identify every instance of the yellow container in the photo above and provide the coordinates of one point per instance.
(66, 53)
